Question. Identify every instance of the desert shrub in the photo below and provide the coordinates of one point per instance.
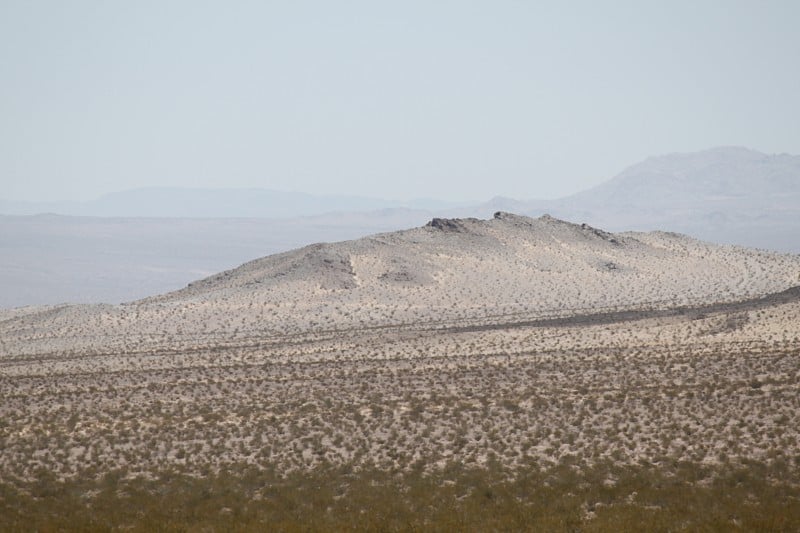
(605, 497)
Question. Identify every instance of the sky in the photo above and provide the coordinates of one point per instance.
(455, 100)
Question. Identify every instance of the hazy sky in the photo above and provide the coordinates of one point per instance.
(457, 100)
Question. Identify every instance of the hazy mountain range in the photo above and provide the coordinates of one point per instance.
(175, 202)
(725, 195)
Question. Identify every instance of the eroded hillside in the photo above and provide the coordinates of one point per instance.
(447, 271)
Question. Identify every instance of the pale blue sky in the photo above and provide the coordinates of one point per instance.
(456, 100)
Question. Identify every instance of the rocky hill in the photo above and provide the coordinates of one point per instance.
(446, 272)
(724, 195)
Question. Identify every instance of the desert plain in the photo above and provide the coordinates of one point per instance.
(504, 374)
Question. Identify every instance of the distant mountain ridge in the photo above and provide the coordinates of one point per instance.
(176, 202)
(721, 178)
(731, 195)
(728, 195)
(725, 195)
(724, 174)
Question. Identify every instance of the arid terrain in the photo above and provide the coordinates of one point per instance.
(502, 373)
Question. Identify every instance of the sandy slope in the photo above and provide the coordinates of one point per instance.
(449, 270)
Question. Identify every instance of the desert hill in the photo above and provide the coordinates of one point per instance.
(505, 264)
(725, 195)
(448, 271)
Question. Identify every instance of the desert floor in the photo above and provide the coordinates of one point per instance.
(233, 407)
(716, 388)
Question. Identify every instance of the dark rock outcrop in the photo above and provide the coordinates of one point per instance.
(447, 224)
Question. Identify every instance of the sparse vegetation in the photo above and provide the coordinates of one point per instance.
(301, 403)
(605, 497)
